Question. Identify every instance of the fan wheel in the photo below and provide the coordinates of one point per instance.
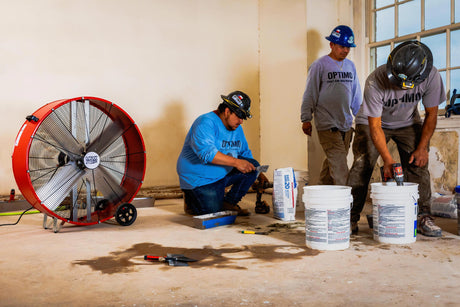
(79, 159)
(126, 214)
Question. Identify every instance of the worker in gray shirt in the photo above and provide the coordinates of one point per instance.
(390, 111)
(333, 95)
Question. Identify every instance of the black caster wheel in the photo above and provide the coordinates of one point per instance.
(126, 214)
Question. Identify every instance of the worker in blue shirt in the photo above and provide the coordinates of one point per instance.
(216, 155)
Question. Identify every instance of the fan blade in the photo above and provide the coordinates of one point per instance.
(107, 185)
(59, 186)
(110, 133)
(55, 133)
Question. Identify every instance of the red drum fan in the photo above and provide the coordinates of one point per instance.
(81, 161)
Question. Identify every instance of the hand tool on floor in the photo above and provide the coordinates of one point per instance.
(171, 259)
(254, 232)
(398, 174)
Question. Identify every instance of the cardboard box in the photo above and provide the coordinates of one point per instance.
(211, 220)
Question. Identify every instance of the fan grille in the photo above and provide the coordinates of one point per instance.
(55, 156)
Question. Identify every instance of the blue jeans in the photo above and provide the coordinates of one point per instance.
(210, 198)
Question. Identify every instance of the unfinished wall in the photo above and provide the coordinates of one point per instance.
(282, 77)
(164, 62)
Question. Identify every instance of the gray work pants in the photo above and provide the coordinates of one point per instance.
(366, 155)
(335, 144)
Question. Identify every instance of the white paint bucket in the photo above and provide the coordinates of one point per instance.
(327, 216)
(394, 212)
(301, 177)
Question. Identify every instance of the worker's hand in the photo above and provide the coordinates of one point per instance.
(244, 166)
(387, 171)
(306, 127)
(419, 157)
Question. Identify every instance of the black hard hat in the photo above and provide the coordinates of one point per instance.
(409, 64)
(239, 103)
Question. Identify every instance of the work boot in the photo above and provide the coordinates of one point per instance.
(427, 227)
(354, 228)
(232, 207)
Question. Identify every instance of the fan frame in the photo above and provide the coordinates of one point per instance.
(134, 145)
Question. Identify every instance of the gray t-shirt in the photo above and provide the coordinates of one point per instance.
(398, 107)
(332, 93)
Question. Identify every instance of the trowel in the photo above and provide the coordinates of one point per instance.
(171, 259)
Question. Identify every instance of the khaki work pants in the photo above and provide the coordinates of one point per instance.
(335, 144)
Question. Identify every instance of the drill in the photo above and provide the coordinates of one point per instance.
(398, 174)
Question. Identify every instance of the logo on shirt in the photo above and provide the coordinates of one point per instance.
(406, 98)
(340, 76)
(231, 144)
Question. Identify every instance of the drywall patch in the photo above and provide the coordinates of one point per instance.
(444, 161)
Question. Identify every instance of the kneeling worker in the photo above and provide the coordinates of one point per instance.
(216, 155)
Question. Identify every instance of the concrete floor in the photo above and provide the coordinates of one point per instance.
(102, 265)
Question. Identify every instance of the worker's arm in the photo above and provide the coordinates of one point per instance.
(378, 138)
(306, 128)
(242, 165)
(420, 156)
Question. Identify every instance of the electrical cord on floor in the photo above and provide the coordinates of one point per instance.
(18, 218)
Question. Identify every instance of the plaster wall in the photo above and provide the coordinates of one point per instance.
(282, 78)
(163, 62)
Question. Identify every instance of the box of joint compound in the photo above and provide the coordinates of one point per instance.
(284, 194)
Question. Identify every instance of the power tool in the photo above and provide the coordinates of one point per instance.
(398, 173)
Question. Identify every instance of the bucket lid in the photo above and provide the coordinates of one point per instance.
(392, 187)
(327, 191)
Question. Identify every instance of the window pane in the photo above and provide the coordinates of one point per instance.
(412, 24)
(381, 3)
(454, 47)
(457, 11)
(385, 24)
(382, 54)
(443, 77)
(437, 45)
(455, 81)
(437, 13)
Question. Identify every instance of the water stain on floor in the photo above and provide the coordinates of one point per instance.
(129, 260)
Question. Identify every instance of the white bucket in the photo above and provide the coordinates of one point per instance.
(301, 177)
(394, 212)
(327, 216)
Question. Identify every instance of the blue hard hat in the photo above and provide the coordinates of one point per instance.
(342, 35)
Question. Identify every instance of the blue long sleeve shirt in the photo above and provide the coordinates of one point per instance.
(206, 137)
